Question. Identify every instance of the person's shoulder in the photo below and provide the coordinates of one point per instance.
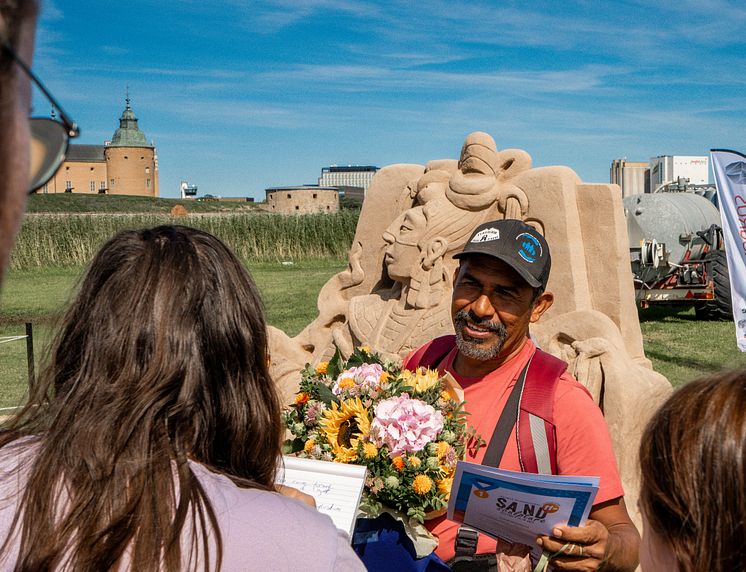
(569, 388)
(17, 454)
(430, 352)
(279, 530)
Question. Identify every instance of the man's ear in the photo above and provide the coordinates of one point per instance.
(541, 305)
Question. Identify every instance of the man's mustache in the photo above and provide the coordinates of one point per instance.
(464, 316)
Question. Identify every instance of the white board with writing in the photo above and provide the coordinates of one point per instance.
(337, 487)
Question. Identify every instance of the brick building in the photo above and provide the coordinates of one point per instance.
(126, 165)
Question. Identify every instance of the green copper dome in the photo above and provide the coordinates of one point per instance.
(128, 134)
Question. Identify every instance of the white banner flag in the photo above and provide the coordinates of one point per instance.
(730, 177)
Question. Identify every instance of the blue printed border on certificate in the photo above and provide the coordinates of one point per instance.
(470, 480)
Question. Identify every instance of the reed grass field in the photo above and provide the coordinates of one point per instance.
(70, 240)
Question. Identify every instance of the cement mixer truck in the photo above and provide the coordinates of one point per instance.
(677, 253)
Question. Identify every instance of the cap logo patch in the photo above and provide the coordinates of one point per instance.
(486, 235)
(529, 247)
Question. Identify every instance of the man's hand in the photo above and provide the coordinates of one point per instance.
(292, 493)
(608, 542)
(577, 547)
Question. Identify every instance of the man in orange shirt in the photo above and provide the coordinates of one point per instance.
(498, 292)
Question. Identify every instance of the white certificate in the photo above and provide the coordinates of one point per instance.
(518, 507)
(336, 487)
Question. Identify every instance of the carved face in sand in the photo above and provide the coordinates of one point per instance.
(402, 254)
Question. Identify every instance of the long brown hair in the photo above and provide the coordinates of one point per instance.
(161, 358)
(693, 462)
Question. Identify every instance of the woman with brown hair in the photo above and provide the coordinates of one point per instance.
(693, 496)
(152, 438)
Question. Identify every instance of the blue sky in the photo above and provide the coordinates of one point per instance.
(239, 96)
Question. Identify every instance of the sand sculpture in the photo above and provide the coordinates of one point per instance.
(395, 294)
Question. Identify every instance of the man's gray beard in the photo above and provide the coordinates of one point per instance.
(474, 348)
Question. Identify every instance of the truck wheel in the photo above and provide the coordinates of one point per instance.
(720, 308)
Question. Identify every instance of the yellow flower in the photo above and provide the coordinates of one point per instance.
(414, 461)
(446, 396)
(344, 425)
(443, 449)
(444, 486)
(370, 450)
(321, 367)
(302, 398)
(422, 484)
(384, 377)
(420, 380)
(364, 348)
(398, 463)
(346, 383)
(310, 444)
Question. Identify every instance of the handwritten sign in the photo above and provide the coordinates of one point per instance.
(336, 487)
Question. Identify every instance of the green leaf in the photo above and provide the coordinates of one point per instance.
(290, 447)
(336, 365)
(326, 395)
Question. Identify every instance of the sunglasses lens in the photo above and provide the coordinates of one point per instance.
(48, 147)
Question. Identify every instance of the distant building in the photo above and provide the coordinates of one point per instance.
(303, 199)
(631, 176)
(666, 169)
(188, 191)
(126, 165)
(661, 173)
(359, 176)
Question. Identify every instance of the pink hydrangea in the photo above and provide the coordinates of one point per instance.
(365, 377)
(405, 425)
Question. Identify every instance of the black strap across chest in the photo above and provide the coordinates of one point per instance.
(508, 419)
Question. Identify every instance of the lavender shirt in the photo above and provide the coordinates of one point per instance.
(260, 530)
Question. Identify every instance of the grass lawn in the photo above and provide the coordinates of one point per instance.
(37, 296)
(680, 347)
(65, 203)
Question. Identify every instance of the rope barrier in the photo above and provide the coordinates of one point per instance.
(6, 339)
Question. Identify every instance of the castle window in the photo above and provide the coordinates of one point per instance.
(91, 168)
(289, 195)
(141, 157)
(147, 170)
(93, 186)
(112, 182)
(297, 207)
(102, 186)
(315, 195)
(147, 183)
(126, 157)
(68, 186)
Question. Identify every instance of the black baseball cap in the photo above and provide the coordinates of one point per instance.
(516, 244)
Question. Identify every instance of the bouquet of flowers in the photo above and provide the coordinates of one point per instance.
(407, 428)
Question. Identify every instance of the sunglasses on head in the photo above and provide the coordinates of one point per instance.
(49, 137)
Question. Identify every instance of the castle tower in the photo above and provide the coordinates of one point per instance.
(132, 166)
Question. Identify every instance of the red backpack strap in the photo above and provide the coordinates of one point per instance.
(432, 353)
(535, 431)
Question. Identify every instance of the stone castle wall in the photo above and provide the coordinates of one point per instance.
(131, 171)
(79, 176)
(302, 201)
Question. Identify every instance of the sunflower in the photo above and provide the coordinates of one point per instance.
(344, 425)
